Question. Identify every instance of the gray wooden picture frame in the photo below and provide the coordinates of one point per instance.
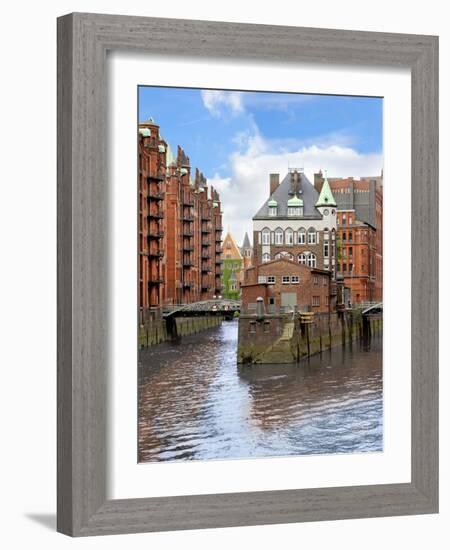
(83, 42)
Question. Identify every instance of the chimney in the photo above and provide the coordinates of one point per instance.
(274, 182)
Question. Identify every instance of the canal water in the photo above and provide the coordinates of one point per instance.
(195, 402)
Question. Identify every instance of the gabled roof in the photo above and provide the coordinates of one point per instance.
(283, 193)
(233, 250)
(326, 196)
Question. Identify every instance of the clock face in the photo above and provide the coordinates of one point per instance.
(326, 212)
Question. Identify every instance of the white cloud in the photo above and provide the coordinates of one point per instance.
(217, 101)
(244, 192)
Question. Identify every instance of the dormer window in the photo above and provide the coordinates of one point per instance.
(295, 206)
(273, 207)
(295, 211)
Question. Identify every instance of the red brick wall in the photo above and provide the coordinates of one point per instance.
(313, 289)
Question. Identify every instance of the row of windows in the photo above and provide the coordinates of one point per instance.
(292, 279)
(292, 211)
(305, 259)
(285, 279)
(289, 237)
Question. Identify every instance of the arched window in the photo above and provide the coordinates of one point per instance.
(278, 236)
(333, 234)
(266, 257)
(312, 238)
(302, 259)
(266, 236)
(326, 234)
(312, 260)
(289, 236)
(284, 254)
(301, 236)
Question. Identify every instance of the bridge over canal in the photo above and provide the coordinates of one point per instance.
(227, 308)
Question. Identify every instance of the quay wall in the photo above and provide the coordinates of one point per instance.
(156, 331)
(286, 339)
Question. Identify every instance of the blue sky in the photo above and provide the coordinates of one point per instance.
(237, 138)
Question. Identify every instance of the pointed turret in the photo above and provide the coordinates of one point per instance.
(326, 196)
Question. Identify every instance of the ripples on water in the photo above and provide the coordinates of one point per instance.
(196, 403)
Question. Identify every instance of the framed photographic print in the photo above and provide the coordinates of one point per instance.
(247, 274)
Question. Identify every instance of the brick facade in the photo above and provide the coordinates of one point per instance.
(360, 215)
(180, 227)
(283, 283)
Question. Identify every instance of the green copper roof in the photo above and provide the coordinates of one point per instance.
(272, 202)
(326, 196)
(161, 149)
(145, 132)
(295, 201)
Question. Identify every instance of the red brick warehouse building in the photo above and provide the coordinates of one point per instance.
(180, 226)
(280, 282)
(360, 234)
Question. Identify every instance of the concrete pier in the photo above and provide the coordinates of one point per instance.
(289, 338)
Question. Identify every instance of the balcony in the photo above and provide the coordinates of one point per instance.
(218, 239)
(155, 197)
(188, 248)
(206, 287)
(206, 229)
(219, 228)
(188, 218)
(187, 233)
(155, 216)
(156, 254)
(155, 235)
(157, 177)
(188, 284)
(206, 256)
(218, 261)
(206, 217)
(187, 201)
(157, 281)
(206, 268)
(187, 264)
(206, 243)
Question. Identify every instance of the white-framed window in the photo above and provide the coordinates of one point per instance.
(272, 210)
(327, 300)
(301, 236)
(266, 236)
(312, 237)
(312, 260)
(278, 236)
(333, 234)
(326, 250)
(262, 279)
(295, 211)
(285, 279)
(271, 279)
(265, 257)
(295, 279)
(289, 236)
(326, 234)
(302, 259)
(316, 301)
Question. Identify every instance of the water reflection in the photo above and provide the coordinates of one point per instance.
(195, 403)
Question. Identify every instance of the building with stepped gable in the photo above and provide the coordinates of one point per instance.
(232, 268)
